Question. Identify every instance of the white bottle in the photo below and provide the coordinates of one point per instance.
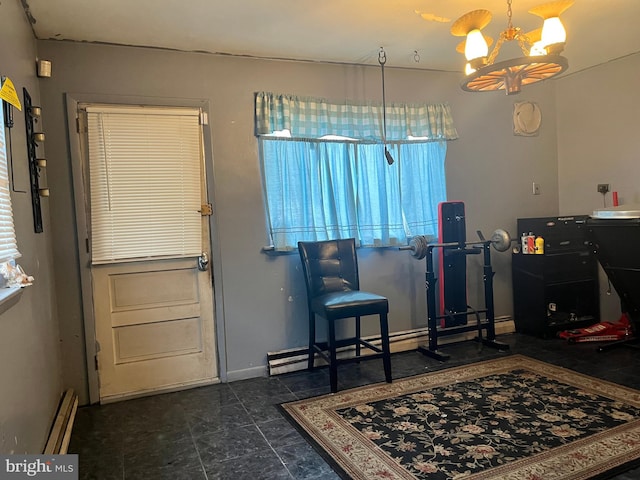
(525, 243)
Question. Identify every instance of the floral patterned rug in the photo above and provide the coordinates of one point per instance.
(513, 418)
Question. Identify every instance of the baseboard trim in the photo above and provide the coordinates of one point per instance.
(60, 434)
(244, 374)
(295, 359)
(156, 391)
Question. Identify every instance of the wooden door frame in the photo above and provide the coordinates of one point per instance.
(73, 100)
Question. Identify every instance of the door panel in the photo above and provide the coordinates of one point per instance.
(156, 340)
(153, 333)
(155, 296)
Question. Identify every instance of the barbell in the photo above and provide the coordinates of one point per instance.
(419, 245)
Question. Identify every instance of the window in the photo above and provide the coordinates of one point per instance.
(318, 187)
(136, 154)
(8, 244)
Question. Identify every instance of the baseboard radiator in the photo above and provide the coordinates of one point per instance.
(295, 359)
(60, 434)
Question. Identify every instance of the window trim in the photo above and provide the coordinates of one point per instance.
(9, 247)
(9, 296)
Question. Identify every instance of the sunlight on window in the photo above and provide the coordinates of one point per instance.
(338, 137)
(280, 133)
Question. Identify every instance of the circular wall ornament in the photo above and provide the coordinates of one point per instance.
(526, 118)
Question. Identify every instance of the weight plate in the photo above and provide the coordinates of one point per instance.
(418, 246)
(501, 240)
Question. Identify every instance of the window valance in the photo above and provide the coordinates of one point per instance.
(309, 118)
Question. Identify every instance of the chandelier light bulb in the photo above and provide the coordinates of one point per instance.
(538, 48)
(476, 46)
(553, 31)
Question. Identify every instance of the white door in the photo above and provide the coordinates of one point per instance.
(149, 240)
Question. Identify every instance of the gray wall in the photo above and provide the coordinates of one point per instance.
(263, 296)
(30, 376)
(599, 143)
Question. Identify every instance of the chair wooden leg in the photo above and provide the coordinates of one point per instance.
(386, 349)
(333, 358)
(312, 340)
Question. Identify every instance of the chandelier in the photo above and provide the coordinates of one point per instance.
(541, 50)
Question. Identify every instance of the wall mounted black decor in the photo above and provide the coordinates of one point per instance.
(31, 115)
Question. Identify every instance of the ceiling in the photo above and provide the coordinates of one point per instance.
(343, 31)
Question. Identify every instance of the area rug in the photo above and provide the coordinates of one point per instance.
(513, 418)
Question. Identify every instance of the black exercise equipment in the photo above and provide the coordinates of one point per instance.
(454, 308)
(500, 240)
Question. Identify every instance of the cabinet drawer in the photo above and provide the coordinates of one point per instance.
(569, 266)
(562, 267)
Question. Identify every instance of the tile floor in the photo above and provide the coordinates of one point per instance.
(234, 430)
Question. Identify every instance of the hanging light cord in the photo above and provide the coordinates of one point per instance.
(382, 59)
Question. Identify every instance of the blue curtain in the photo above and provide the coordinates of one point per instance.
(422, 185)
(379, 208)
(309, 191)
(318, 189)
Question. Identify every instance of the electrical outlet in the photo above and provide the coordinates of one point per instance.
(536, 188)
(603, 188)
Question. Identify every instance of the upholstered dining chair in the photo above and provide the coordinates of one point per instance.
(333, 293)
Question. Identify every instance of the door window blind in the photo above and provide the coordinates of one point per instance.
(8, 244)
(145, 183)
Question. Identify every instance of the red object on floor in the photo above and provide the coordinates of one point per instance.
(599, 332)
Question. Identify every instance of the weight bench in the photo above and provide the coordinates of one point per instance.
(454, 310)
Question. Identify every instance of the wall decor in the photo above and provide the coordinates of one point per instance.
(31, 115)
(526, 119)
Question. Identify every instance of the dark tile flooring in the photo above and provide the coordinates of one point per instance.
(234, 430)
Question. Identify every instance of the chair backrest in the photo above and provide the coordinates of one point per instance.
(329, 266)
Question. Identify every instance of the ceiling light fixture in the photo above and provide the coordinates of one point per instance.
(541, 50)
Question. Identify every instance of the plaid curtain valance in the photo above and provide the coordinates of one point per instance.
(311, 118)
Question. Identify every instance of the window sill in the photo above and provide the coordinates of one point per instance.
(270, 250)
(9, 297)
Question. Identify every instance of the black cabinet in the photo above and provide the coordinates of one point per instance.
(559, 289)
